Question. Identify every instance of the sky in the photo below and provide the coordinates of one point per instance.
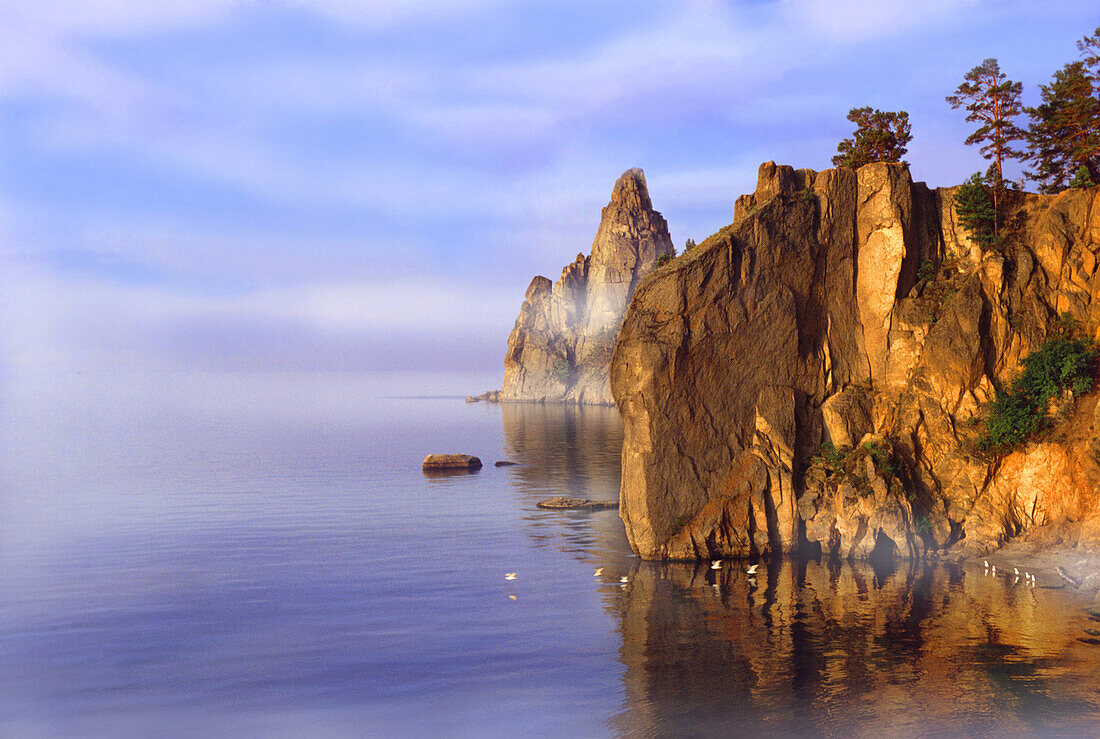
(340, 185)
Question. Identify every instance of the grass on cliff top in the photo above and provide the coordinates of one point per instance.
(1020, 411)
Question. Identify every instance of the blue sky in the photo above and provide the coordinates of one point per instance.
(371, 185)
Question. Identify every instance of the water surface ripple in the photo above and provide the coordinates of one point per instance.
(261, 554)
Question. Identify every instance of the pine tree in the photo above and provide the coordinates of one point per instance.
(992, 101)
(1065, 128)
(880, 136)
(1089, 47)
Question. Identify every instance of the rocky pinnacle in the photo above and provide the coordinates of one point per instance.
(561, 345)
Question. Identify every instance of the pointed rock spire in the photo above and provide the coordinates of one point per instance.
(561, 344)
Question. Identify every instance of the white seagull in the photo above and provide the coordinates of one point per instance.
(716, 565)
(986, 563)
(752, 569)
(510, 575)
(598, 572)
(624, 579)
(1016, 570)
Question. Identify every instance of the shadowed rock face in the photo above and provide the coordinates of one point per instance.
(804, 322)
(561, 344)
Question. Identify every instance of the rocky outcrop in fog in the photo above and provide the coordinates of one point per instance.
(562, 341)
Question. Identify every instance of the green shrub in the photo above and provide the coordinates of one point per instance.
(974, 206)
(926, 271)
(1021, 411)
(831, 457)
(882, 458)
(561, 368)
(1081, 178)
(678, 524)
(666, 258)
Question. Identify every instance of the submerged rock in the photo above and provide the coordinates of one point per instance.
(562, 341)
(441, 462)
(805, 322)
(562, 502)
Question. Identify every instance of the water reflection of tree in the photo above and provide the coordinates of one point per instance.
(820, 647)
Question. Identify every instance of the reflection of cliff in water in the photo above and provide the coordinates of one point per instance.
(573, 451)
(825, 648)
(568, 449)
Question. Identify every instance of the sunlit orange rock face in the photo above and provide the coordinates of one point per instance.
(850, 307)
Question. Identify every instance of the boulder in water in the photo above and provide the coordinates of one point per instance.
(577, 503)
(438, 462)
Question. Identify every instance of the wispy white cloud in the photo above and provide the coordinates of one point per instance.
(385, 13)
(76, 321)
(126, 18)
(856, 20)
(508, 155)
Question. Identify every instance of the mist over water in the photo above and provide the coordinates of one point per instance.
(210, 553)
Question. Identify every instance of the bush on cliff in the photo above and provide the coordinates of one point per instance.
(831, 458)
(974, 206)
(1019, 412)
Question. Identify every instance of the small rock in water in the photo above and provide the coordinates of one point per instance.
(1061, 572)
(585, 503)
(1093, 641)
(434, 462)
(505, 463)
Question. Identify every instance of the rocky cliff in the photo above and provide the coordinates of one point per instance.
(561, 344)
(849, 307)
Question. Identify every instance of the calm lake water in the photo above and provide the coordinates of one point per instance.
(213, 554)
